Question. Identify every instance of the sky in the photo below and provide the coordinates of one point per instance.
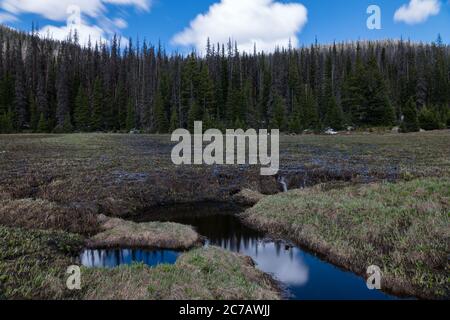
(183, 25)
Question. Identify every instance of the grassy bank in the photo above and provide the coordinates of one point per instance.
(403, 228)
(206, 273)
(33, 263)
(153, 235)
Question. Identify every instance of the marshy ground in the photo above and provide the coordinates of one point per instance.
(367, 199)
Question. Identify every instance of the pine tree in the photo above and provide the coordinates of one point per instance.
(266, 97)
(131, 116)
(6, 93)
(278, 113)
(41, 97)
(97, 121)
(6, 123)
(410, 121)
(295, 123)
(333, 118)
(174, 121)
(310, 111)
(429, 119)
(67, 126)
(160, 114)
(42, 125)
(353, 97)
(195, 114)
(363, 84)
(62, 94)
(81, 112)
(34, 115)
(20, 95)
(379, 111)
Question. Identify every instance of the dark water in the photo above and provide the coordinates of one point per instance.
(114, 257)
(304, 275)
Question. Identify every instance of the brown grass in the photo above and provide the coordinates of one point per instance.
(248, 197)
(46, 215)
(154, 235)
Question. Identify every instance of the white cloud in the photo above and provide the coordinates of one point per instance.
(53, 9)
(7, 17)
(83, 31)
(417, 11)
(265, 23)
(61, 10)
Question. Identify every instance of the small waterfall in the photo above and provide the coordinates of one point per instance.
(283, 183)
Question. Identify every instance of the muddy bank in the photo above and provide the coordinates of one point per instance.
(118, 233)
(403, 228)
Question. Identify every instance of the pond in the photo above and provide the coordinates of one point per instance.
(302, 274)
(110, 258)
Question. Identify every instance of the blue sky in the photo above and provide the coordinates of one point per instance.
(266, 22)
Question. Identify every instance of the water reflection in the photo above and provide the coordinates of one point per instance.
(114, 257)
(304, 275)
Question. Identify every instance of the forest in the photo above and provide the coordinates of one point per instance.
(61, 87)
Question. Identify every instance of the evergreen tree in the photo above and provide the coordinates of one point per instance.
(310, 110)
(353, 99)
(81, 112)
(62, 94)
(174, 121)
(131, 116)
(42, 125)
(429, 119)
(6, 123)
(410, 121)
(333, 117)
(20, 100)
(160, 114)
(195, 114)
(34, 116)
(295, 123)
(364, 84)
(67, 126)
(6, 93)
(278, 114)
(266, 97)
(97, 121)
(379, 111)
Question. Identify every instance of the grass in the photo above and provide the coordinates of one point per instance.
(33, 263)
(55, 186)
(205, 273)
(154, 235)
(402, 227)
(46, 215)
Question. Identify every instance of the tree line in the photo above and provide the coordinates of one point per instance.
(60, 86)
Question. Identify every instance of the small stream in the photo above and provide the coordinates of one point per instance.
(303, 275)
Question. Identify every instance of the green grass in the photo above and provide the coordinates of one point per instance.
(61, 183)
(403, 228)
(33, 263)
(205, 273)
